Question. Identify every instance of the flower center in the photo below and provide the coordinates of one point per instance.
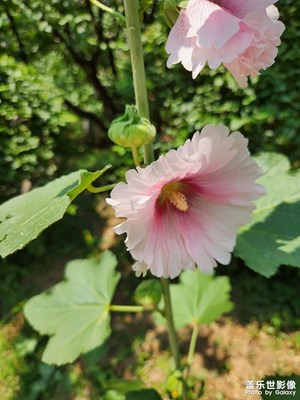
(173, 192)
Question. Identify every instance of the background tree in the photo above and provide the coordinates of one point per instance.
(75, 46)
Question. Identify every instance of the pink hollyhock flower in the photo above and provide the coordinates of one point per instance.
(241, 34)
(184, 209)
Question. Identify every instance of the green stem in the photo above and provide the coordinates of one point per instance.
(117, 308)
(138, 68)
(193, 345)
(190, 359)
(101, 189)
(116, 14)
(170, 322)
(140, 90)
(135, 156)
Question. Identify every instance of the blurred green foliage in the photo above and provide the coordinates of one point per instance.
(65, 55)
(33, 124)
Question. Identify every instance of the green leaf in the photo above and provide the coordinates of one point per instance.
(24, 217)
(145, 394)
(113, 395)
(123, 386)
(199, 298)
(273, 236)
(92, 357)
(75, 312)
(171, 11)
(148, 293)
(121, 389)
(174, 383)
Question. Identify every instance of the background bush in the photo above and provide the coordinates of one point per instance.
(65, 68)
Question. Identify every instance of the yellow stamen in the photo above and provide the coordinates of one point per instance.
(173, 192)
(178, 200)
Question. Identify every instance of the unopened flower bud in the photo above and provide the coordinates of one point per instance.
(131, 130)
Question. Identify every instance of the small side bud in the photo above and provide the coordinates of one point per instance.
(131, 130)
(148, 293)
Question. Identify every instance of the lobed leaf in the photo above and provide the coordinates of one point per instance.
(24, 217)
(199, 298)
(273, 236)
(75, 312)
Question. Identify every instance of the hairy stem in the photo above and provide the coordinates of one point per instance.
(190, 358)
(170, 322)
(141, 97)
(138, 68)
(117, 308)
(192, 345)
(135, 156)
(101, 189)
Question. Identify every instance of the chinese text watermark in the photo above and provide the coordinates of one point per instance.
(269, 387)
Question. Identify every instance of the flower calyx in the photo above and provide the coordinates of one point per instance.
(131, 130)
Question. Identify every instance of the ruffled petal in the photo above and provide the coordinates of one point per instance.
(178, 45)
(217, 176)
(241, 34)
(240, 8)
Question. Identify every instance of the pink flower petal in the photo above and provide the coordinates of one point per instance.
(178, 45)
(219, 27)
(261, 52)
(241, 34)
(184, 209)
(241, 8)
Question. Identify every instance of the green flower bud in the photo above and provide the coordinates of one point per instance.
(148, 293)
(131, 130)
(171, 8)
